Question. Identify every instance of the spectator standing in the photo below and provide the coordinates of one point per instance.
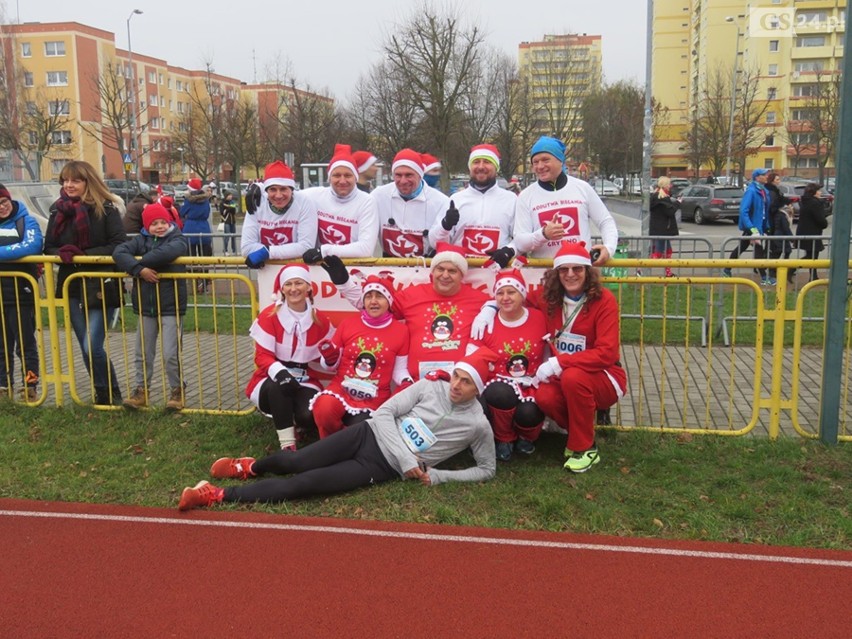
(663, 220)
(280, 223)
(411, 433)
(585, 375)
(408, 208)
(133, 212)
(195, 212)
(287, 336)
(85, 221)
(753, 221)
(481, 217)
(517, 337)
(813, 220)
(558, 208)
(20, 236)
(780, 221)
(159, 303)
(346, 216)
(367, 166)
(229, 223)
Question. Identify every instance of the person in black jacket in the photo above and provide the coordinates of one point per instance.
(663, 220)
(812, 221)
(780, 216)
(160, 303)
(85, 221)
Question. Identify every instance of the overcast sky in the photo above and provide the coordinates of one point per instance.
(330, 43)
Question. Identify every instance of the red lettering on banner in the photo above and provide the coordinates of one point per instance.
(328, 289)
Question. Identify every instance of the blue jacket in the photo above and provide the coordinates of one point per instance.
(753, 208)
(14, 245)
(196, 215)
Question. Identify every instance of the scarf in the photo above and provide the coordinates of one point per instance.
(71, 210)
(377, 322)
(414, 194)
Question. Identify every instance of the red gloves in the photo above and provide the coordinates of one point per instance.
(68, 251)
(434, 376)
(329, 353)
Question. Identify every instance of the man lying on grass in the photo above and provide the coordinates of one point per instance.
(416, 429)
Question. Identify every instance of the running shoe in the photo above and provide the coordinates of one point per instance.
(726, 272)
(201, 495)
(524, 446)
(503, 450)
(232, 468)
(580, 462)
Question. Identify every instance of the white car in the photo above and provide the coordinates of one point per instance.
(605, 187)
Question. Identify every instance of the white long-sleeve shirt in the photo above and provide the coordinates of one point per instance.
(402, 222)
(486, 221)
(349, 226)
(574, 205)
(286, 235)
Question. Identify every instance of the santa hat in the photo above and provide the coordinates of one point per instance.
(364, 160)
(4, 192)
(343, 158)
(278, 173)
(409, 158)
(479, 365)
(380, 285)
(449, 253)
(167, 201)
(510, 277)
(430, 162)
(484, 152)
(290, 272)
(572, 253)
(195, 184)
(153, 212)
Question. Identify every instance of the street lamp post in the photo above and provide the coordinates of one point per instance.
(180, 150)
(131, 95)
(733, 99)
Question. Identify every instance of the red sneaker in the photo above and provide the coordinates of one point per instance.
(232, 468)
(201, 495)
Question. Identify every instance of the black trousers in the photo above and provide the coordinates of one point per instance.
(743, 246)
(346, 460)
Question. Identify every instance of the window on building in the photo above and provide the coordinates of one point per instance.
(811, 19)
(57, 165)
(770, 117)
(179, 85)
(57, 78)
(810, 41)
(769, 141)
(26, 50)
(768, 163)
(802, 114)
(808, 66)
(160, 78)
(28, 79)
(162, 101)
(59, 107)
(31, 108)
(156, 145)
(53, 49)
(805, 90)
(771, 93)
(60, 137)
(32, 137)
(773, 45)
(152, 77)
(152, 100)
(180, 107)
(169, 83)
(773, 69)
(153, 123)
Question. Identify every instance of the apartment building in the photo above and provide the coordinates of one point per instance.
(790, 49)
(561, 70)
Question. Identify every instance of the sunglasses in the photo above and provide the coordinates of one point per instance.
(576, 270)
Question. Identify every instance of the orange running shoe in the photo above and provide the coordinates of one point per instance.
(232, 468)
(201, 495)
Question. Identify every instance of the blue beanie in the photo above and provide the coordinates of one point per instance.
(549, 145)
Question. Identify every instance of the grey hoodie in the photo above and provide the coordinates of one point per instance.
(457, 426)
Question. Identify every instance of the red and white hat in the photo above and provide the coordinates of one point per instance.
(430, 162)
(572, 253)
(195, 184)
(409, 158)
(380, 285)
(479, 365)
(291, 272)
(364, 160)
(278, 173)
(484, 152)
(343, 158)
(510, 277)
(447, 252)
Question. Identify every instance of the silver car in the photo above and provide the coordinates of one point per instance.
(701, 203)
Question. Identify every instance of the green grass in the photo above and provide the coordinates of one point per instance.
(787, 492)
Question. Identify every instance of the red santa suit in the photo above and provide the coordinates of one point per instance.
(371, 357)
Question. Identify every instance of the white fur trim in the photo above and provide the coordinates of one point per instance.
(417, 168)
(280, 181)
(565, 260)
(470, 370)
(344, 163)
(449, 256)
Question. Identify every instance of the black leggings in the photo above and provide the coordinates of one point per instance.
(502, 396)
(345, 460)
(288, 404)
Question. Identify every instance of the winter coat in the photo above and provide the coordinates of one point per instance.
(20, 236)
(106, 232)
(753, 208)
(663, 215)
(195, 212)
(133, 215)
(812, 220)
(159, 254)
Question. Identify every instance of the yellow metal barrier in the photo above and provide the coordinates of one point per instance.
(704, 354)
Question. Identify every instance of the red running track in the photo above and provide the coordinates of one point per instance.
(75, 570)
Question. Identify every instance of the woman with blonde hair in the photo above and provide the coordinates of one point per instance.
(86, 221)
(663, 220)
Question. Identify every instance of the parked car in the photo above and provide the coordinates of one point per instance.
(701, 203)
(605, 187)
(794, 191)
(181, 191)
(678, 185)
(120, 188)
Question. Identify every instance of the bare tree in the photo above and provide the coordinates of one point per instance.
(613, 127)
(706, 137)
(824, 107)
(435, 54)
(513, 107)
(800, 138)
(33, 120)
(239, 134)
(749, 114)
